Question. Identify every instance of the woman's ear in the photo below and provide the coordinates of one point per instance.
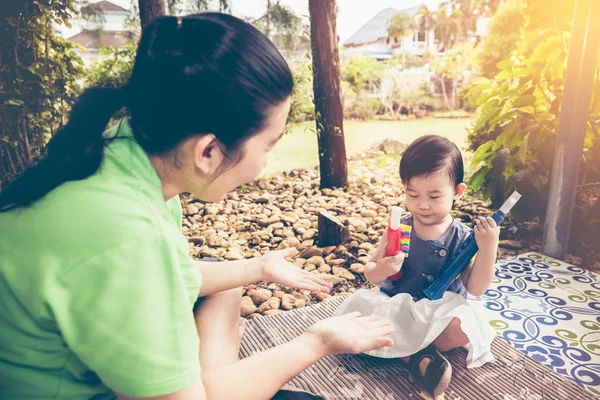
(459, 190)
(207, 153)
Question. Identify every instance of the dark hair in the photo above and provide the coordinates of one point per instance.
(430, 154)
(206, 73)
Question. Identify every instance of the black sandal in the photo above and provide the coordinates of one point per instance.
(438, 372)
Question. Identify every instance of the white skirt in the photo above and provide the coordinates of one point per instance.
(419, 323)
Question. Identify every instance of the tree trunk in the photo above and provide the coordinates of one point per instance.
(328, 95)
(443, 82)
(150, 9)
(454, 92)
(268, 29)
(332, 231)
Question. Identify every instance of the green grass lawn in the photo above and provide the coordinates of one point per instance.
(298, 149)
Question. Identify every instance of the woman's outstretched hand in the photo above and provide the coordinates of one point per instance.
(351, 334)
(275, 268)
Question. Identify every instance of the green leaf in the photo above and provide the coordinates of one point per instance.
(502, 117)
(527, 110)
(504, 65)
(478, 177)
(476, 90)
(482, 153)
(545, 117)
(481, 80)
(522, 154)
(525, 101)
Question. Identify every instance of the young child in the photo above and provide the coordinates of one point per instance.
(431, 171)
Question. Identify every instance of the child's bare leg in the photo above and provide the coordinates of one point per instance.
(452, 337)
(218, 324)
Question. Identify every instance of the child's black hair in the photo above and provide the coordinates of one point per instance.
(431, 154)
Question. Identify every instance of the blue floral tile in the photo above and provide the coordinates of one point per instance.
(550, 311)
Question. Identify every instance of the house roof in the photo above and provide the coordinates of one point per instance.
(376, 28)
(95, 40)
(109, 6)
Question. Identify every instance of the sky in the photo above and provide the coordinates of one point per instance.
(352, 13)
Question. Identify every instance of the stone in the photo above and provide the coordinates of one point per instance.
(259, 296)
(300, 303)
(272, 304)
(343, 273)
(368, 214)
(279, 294)
(290, 217)
(309, 267)
(253, 315)
(288, 302)
(247, 307)
(211, 253)
(300, 261)
(322, 296)
(309, 234)
(272, 312)
(220, 225)
(264, 199)
(310, 252)
(192, 210)
(316, 260)
(358, 268)
(510, 244)
(391, 146)
(233, 256)
(327, 250)
(212, 210)
(364, 259)
(366, 246)
(200, 240)
(324, 268)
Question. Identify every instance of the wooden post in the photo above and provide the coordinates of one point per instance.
(328, 95)
(331, 230)
(150, 9)
(579, 82)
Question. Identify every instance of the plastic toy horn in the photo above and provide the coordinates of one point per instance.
(461, 258)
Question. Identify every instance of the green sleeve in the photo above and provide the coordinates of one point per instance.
(126, 314)
(174, 205)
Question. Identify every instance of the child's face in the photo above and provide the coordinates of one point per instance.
(430, 198)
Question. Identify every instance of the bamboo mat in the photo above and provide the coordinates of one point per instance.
(512, 376)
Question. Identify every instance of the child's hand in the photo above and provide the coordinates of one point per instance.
(487, 234)
(380, 267)
(389, 266)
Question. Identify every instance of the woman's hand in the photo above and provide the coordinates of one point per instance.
(351, 334)
(275, 268)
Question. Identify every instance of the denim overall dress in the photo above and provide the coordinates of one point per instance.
(425, 260)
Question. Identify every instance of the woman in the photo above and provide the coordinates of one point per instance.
(96, 284)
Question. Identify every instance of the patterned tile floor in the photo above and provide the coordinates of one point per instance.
(549, 310)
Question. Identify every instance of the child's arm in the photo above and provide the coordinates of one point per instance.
(379, 266)
(478, 277)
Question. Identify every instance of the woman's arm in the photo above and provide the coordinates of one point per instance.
(225, 275)
(272, 267)
(256, 377)
(250, 379)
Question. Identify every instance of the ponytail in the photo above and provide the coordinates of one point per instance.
(74, 153)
